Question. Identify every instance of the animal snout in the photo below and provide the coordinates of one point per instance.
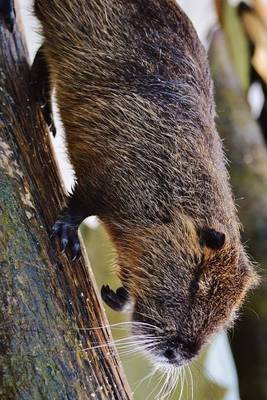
(170, 354)
(181, 351)
(173, 356)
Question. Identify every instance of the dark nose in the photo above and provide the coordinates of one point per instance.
(170, 354)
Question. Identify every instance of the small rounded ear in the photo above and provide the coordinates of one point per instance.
(211, 238)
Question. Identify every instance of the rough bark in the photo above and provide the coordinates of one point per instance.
(47, 304)
(247, 153)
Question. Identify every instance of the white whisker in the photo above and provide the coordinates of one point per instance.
(186, 382)
(175, 379)
(162, 390)
(172, 382)
(127, 342)
(178, 375)
(166, 385)
(155, 388)
(149, 375)
(192, 382)
(182, 383)
(123, 325)
(136, 348)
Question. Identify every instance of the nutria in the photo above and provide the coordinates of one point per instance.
(135, 95)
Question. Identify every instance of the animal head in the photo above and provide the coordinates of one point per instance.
(186, 285)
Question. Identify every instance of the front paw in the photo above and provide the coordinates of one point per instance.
(67, 232)
(7, 10)
(117, 301)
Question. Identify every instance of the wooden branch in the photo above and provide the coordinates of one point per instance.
(247, 152)
(47, 304)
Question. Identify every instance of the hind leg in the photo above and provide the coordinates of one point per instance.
(7, 10)
(41, 87)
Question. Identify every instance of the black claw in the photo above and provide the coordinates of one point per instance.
(7, 9)
(10, 21)
(122, 294)
(52, 128)
(48, 116)
(105, 290)
(75, 251)
(52, 235)
(64, 243)
(54, 230)
(114, 300)
(67, 232)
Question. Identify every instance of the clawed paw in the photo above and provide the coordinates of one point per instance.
(7, 9)
(116, 300)
(67, 232)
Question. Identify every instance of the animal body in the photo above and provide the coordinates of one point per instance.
(135, 95)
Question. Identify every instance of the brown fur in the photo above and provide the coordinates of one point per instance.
(136, 99)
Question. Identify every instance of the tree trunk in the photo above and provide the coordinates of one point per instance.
(48, 306)
(247, 152)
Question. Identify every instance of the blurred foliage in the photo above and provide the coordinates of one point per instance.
(102, 257)
(246, 149)
(236, 39)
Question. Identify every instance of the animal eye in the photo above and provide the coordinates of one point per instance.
(212, 239)
(169, 304)
(194, 286)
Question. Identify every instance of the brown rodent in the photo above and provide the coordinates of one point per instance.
(135, 95)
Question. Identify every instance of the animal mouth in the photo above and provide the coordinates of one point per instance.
(162, 359)
(164, 363)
